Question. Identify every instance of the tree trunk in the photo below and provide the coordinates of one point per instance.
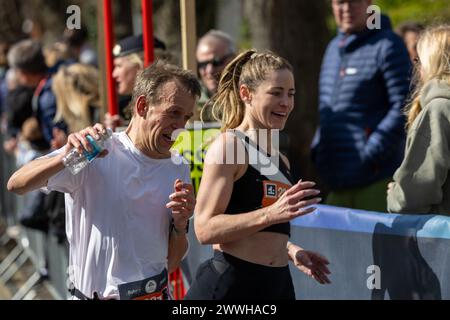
(297, 30)
(10, 20)
(167, 22)
(123, 23)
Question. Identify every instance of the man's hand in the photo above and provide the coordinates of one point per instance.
(311, 263)
(78, 139)
(182, 204)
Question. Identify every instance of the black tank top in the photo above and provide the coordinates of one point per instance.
(254, 191)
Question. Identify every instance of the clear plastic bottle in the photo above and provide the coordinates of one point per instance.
(76, 162)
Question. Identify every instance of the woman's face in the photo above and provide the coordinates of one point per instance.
(273, 100)
(125, 73)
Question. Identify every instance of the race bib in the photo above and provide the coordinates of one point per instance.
(272, 191)
(154, 288)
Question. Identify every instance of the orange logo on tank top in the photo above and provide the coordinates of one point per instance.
(272, 191)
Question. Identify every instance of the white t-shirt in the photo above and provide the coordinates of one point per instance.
(117, 224)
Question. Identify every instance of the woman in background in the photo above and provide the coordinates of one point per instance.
(77, 96)
(422, 183)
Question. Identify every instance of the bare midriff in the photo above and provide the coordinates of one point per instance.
(265, 248)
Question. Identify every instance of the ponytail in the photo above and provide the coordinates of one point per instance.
(250, 68)
(226, 105)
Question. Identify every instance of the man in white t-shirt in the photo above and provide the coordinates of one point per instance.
(127, 212)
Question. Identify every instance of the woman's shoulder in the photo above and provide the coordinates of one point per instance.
(437, 94)
(438, 110)
(225, 145)
(228, 151)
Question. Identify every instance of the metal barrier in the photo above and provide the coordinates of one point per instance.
(33, 263)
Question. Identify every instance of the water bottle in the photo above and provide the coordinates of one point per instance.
(76, 162)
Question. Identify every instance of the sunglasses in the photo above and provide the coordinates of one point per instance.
(216, 62)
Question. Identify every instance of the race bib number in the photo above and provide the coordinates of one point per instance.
(272, 191)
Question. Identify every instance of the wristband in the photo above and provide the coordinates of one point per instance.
(186, 230)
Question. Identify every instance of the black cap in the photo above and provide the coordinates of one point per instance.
(134, 44)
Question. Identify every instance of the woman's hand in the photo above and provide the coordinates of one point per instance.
(311, 263)
(293, 203)
(390, 186)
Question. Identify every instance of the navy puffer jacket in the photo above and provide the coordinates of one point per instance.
(364, 83)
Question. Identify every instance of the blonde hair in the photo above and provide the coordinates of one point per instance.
(76, 90)
(137, 59)
(433, 49)
(249, 68)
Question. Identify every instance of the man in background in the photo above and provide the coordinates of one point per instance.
(410, 33)
(214, 51)
(364, 82)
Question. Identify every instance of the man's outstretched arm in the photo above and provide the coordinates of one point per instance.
(35, 174)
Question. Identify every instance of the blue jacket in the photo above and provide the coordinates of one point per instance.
(364, 83)
(46, 111)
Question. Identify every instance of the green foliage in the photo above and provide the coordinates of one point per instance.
(427, 12)
(423, 11)
(245, 35)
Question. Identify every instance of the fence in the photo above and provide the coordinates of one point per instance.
(33, 264)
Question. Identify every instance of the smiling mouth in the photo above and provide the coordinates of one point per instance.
(280, 114)
(168, 137)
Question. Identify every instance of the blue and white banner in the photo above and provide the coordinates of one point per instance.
(372, 255)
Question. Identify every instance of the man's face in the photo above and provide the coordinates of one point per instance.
(175, 108)
(351, 15)
(212, 57)
(20, 79)
(125, 73)
(411, 38)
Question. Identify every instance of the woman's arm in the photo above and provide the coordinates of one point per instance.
(213, 225)
(421, 176)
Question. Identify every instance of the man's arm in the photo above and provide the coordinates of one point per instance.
(182, 205)
(388, 135)
(178, 246)
(35, 174)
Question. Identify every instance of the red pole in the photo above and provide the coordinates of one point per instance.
(109, 43)
(147, 26)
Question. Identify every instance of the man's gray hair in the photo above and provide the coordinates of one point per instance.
(152, 78)
(222, 36)
(27, 56)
